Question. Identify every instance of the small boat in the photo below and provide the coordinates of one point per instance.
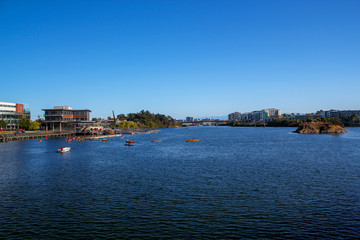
(156, 141)
(192, 140)
(63, 149)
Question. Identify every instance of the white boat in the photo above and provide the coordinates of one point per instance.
(65, 149)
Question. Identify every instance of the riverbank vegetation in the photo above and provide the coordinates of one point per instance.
(332, 120)
(25, 123)
(235, 123)
(145, 119)
(284, 123)
(352, 120)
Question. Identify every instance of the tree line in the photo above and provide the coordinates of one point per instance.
(295, 123)
(145, 119)
(24, 123)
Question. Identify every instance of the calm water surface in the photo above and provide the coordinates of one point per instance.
(234, 183)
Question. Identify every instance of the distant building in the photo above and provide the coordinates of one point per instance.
(348, 113)
(12, 113)
(332, 113)
(259, 115)
(303, 117)
(246, 116)
(65, 117)
(189, 119)
(234, 116)
(273, 112)
(339, 113)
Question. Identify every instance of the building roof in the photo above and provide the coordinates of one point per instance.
(57, 109)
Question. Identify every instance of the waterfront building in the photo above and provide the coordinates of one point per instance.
(348, 113)
(332, 113)
(189, 119)
(303, 117)
(259, 115)
(12, 113)
(234, 116)
(246, 116)
(65, 117)
(338, 113)
(273, 112)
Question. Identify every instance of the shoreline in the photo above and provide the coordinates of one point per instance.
(38, 135)
(28, 136)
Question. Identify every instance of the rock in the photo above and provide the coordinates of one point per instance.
(320, 128)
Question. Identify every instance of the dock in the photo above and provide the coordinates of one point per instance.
(28, 136)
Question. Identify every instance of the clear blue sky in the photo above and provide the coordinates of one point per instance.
(180, 58)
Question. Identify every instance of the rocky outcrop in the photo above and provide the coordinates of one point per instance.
(320, 128)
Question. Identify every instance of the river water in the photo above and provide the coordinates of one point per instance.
(235, 183)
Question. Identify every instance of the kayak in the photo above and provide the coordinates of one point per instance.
(192, 140)
(129, 141)
(156, 141)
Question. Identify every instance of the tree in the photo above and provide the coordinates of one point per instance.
(3, 123)
(24, 122)
(34, 125)
(121, 117)
(355, 118)
(336, 120)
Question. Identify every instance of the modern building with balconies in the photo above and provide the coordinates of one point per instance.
(65, 117)
(12, 113)
(259, 115)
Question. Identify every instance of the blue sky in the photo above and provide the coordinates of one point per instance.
(180, 58)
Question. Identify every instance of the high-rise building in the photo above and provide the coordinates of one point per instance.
(12, 113)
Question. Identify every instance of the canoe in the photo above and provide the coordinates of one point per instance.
(62, 150)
